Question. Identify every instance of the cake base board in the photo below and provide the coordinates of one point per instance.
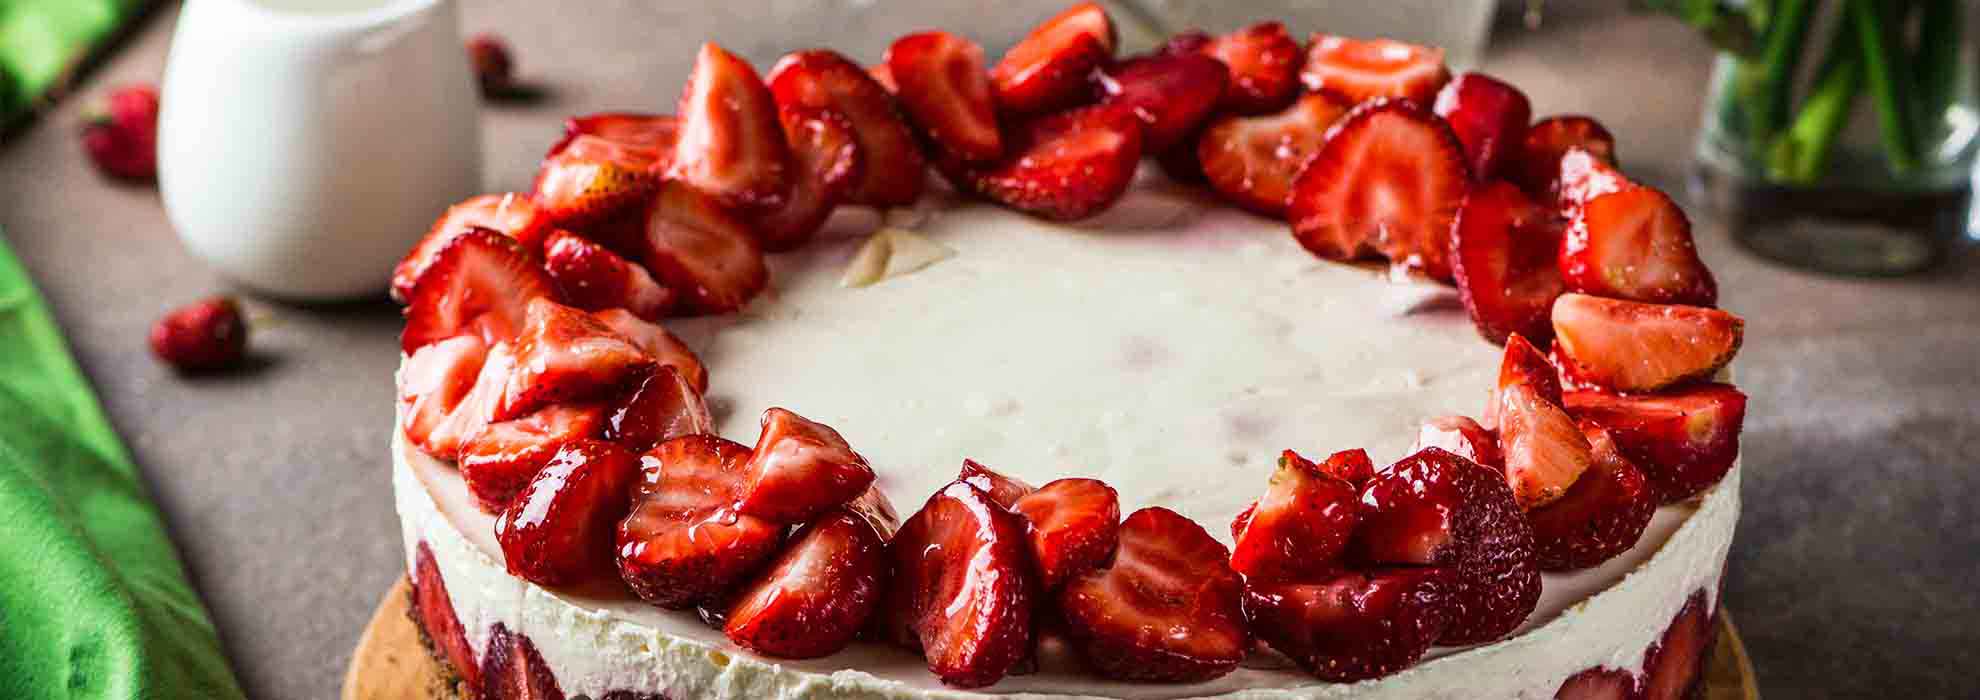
(391, 662)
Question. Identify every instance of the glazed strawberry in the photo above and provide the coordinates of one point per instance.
(513, 670)
(1299, 528)
(664, 406)
(1172, 95)
(1263, 60)
(1434, 508)
(1047, 70)
(1599, 684)
(654, 340)
(564, 354)
(816, 595)
(498, 461)
(1461, 436)
(884, 77)
(434, 380)
(962, 587)
(1544, 451)
(1389, 179)
(800, 468)
(1073, 526)
(683, 542)
(479, 282)
(699, 249)
(510, 214)
(121, 134)
(1503, 250)
(472, 414)
(560, 528)
(874, 507)
(1489, 117)
(1600, 516)
(1538, 163)
(593, 278)
(1674, 667)
(945, 91)
(652, 132)
(591, 180)
(1635, 245)
(1254, 161)
(731, 144)
(1633, 346)
(1582, 176)
(1353, 627)
(825, 164)
(1065, 166)
(434, 610)
(203, 336)
(893, 172)
(1169, 609)
(1358, 70)
(1684, 440)
(1002, 489)
(1352, 466)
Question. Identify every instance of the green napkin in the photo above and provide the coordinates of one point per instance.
(93, 601)
(43, 41)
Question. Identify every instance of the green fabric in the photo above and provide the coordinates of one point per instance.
(42, 40)
(94, 603)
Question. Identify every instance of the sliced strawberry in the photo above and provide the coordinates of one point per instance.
(1684, 440)
(1503, 248)
(730, 144)
(1461, 436)
(1389, 179)
(654, 340)
(1169, 609)
(1065, 166)
(1544, 451)
(592, 278)
(683, 542)
(1524, 364)
(591, 179)
(1582, 176)
(475, 410)
(1489, 117)
(815, 596)
(1438, 509)
(653, 132)
(1601, 683)
(874, 507)
(825, 162)
(1537, 164)
(498, 461)
(1601, 516)
(946, 92)
(800, 468)
(1254, 161)
(1299, 528)
(1003, 490)
(962, 588)
(434, 610)
(1074, 525)
(1358, 70)
(434, 380)
(479, 282)
(560, 529)
(894, 168)
(564, 354)
(1352, 466)
(1264, 63)
(1047, 69)
(1633, 346)
(1354, 627)
(513, 669)
(1675, 666)
(509, 214)
(699, 249)
(663, 407)
(1172, 94)
(1636, 245)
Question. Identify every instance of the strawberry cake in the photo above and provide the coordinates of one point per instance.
(910, 380)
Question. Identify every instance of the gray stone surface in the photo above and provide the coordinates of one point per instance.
(1854, 573)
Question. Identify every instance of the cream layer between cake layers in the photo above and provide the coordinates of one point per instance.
(1171, 347)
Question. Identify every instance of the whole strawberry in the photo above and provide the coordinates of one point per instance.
(203, 336)
(120, 134)
(493, 66)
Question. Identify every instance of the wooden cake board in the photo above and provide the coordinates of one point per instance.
(391, 663)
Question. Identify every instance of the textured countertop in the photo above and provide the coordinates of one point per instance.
(1853, 575)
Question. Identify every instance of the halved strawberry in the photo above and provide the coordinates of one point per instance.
(434, 380)
(1358, 70)
(654, 340)
(434, 610)
(894, 169)
(1065, 166)
(654, 132)
(884, 77)
(1461, 436)
(1675, 666)
(730, 144)
(479, 283)
(1601, 683)
(815, 596)
(559, 530)
(1353, 627)
(592, 179)
(1004, 490)
(513, 670)
(1254, 161)
(962, 587)
(1601, 516)
(1169, 609)
(498, 461)
(564, 354)
(1299, 528)
(825, 162)
(1636, 245)
(1489, 117)
(1438, 509)
(476, 409)
(1073, 526)
(509, 214)
(1544, 451)
(1584, 175)
(1264, 63)
(1633, 346)
(683, 542)
(663, 407)
(1684, 440)
(1537, 164)
(1047, 69)
(800, 468)
(592, 278)
(1503, 249)
(1390, 179)
(1172, 94)
(1352, 466)
(945, 91)
(696, 247)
